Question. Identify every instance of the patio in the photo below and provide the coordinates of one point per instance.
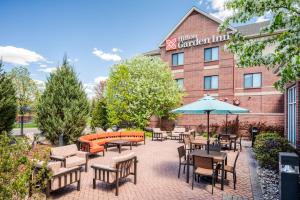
(157, 177)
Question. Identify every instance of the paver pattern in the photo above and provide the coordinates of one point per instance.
(157, 177)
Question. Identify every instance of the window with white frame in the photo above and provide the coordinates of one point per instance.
(252, 80)
(180, 83)
(177, 59)
(211, 82)
(291, 118)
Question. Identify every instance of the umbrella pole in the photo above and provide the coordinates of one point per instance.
(208, 131)
(226, 124)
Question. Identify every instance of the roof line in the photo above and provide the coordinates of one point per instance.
(187, 15)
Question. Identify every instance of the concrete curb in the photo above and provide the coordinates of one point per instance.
(256, 187)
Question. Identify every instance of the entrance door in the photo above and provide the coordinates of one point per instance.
(292, 95)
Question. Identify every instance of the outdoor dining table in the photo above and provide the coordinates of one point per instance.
(220, 157)
(200, 141)
(233, 137)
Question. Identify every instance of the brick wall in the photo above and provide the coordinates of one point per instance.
(265, 103)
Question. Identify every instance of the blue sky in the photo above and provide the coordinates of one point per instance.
(95, 34)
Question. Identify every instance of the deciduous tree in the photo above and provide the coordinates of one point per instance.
(26, 90)
(283, 33)
(138, 89)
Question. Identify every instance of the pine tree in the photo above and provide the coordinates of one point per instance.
(63, 108)
(8, 102)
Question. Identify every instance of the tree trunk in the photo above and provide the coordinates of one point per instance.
(22, 124)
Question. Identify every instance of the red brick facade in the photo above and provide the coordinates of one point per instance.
(265, 103)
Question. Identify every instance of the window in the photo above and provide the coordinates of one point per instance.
(180, 83)
(291, 95)
(252, 80)
(177, 59)
(211, 54)
(211, 82)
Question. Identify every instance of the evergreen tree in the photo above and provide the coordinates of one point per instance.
(8, 102)
(63, 108)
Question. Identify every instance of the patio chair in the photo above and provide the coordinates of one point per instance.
(239, 140)
(70, 156)
(182, 154)
(214, 147)
(204, 166)
(158, 134)
(61, 176)
(231, 169)
(121, 167)
(176, 132)
(225, 141)
(187, 144)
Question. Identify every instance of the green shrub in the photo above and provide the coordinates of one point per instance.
(267, 147)
(212, 135)
(16, 168)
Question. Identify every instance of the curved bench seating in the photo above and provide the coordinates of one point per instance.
(94, 143)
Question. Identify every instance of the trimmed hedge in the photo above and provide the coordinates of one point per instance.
(267, 147)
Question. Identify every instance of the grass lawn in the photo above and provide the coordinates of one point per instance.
(26, 125)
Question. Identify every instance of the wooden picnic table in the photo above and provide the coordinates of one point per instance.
(219, 157)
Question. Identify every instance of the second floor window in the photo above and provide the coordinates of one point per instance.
(180, 83)
(211, 54)
(211, 82)
(177, 59)
(252, 80)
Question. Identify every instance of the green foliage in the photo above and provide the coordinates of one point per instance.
(212, 135)
(267, 147)
(8, 102)
(283, 34)
(99, 115)
(139, 88)
(16, 168)
(63, 108)
(25, 87)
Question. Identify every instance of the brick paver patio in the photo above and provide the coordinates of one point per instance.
(157, 177)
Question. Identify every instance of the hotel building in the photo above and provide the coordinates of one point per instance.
(194, 50)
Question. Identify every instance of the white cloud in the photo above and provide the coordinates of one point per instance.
(43, 65)
(40, 84)
(19, 56)
(220, 11)
(48, 69)
(115, 50)
(106, 56)
(73, 60)
(100, 78)
(49, 62)
(89, 89)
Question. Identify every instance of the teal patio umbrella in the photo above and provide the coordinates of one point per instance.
(209, 105)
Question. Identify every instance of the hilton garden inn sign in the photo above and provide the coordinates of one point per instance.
(186, 41)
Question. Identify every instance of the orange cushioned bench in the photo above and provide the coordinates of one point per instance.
(94, 143)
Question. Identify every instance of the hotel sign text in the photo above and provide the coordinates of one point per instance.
(193, 40)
